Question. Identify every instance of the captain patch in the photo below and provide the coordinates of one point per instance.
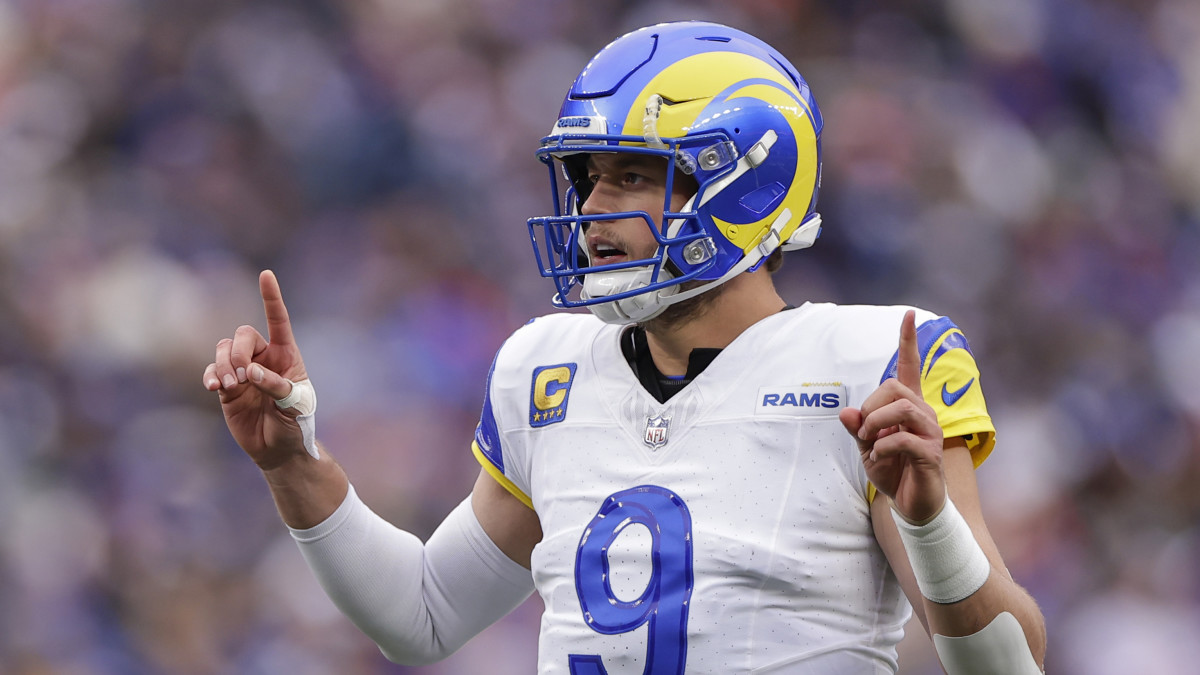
(549, 393)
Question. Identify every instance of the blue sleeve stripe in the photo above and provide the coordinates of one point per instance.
(927, 336)
(487, 436)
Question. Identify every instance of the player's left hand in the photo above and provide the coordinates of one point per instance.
(899, 437)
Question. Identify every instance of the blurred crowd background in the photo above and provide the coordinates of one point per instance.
(1030, 168)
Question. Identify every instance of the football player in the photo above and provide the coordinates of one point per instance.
(696, 476)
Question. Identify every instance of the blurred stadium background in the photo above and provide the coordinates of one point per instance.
(1029, 167)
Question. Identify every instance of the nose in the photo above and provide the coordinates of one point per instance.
(599, 201)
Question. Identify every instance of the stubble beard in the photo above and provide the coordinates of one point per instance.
(685, 311)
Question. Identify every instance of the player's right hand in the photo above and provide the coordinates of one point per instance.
(250, 373)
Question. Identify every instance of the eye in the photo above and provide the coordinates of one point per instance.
(632, 178)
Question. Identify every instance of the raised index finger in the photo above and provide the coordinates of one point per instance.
(279, 326)
(908, 359)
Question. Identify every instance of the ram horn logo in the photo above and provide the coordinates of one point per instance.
(656, 431)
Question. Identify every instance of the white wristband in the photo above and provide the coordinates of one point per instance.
(303, 397)
(946, 559)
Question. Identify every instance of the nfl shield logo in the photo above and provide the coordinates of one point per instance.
(656, 431)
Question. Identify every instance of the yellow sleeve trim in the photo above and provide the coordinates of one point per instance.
(980, 445)
(499, 476)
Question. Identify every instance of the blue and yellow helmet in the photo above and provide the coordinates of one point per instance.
(726, 109)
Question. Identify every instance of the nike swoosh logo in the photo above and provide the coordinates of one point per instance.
(951, 397)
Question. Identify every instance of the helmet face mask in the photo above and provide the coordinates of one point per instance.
(567, 260)
(716, 104)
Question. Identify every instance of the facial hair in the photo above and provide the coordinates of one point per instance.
(685, 310)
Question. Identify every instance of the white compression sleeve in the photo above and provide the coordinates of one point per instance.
(419, 603)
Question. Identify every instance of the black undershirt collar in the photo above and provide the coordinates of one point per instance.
(662, 387)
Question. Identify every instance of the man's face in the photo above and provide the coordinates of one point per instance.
(628, 182)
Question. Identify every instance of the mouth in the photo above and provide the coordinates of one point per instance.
(604, 251)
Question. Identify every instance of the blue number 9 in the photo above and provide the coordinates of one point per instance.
(663, 606)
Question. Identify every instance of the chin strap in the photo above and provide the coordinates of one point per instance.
(626, 310)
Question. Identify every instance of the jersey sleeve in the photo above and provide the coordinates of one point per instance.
(499, 457)
(950, 385)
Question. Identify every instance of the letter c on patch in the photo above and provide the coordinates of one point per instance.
(551, 387)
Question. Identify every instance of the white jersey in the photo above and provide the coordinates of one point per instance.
(727, 530)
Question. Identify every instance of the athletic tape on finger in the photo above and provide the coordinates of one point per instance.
(303, 398)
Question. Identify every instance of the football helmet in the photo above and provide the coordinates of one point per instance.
(723, 107)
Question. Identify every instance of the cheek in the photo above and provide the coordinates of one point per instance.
(636, 237)
(654, 207)
(643, 239)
